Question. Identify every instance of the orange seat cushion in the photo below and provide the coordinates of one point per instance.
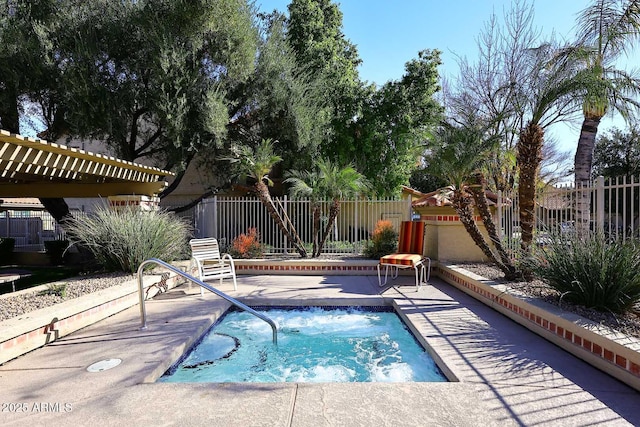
(401, 259)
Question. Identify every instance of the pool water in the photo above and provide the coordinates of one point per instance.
(314, 345)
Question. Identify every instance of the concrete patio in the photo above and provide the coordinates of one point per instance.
(506, 374)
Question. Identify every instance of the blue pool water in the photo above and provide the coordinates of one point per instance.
(314, 345)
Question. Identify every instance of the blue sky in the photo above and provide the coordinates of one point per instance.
(390, 33)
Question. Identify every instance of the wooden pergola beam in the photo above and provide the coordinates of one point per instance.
(47, 189)
(36, 168)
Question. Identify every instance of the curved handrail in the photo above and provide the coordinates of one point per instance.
(143, 313)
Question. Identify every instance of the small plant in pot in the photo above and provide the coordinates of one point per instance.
(55, 249)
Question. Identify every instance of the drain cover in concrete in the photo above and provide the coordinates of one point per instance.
(103, 365)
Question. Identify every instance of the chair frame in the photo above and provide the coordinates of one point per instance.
(422, 271)
(419, 267)
(205, 253)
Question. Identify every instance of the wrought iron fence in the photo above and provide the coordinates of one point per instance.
(613, 209)
(31, 228)
(228, 217)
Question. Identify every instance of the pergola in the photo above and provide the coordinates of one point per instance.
(36, 168)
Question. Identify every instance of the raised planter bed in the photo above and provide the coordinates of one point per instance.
(34, 329)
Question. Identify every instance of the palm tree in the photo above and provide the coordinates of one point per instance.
(308, 185)
(545, 93)
(458, 158)
(606, 29)
(257, 164)
(328, 181)
(340, 183)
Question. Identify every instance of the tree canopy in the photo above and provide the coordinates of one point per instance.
(617, 153)
(166, 82)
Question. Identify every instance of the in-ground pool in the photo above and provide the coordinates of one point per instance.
(314, 345)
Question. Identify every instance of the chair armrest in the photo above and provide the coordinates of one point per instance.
(229, 258)
(198, 263)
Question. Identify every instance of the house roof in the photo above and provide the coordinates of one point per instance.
(442, 197)
(28, 203)
(36, 168)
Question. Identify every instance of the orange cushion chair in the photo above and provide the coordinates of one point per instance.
(409, 255)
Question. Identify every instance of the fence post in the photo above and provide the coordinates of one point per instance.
(409, 209)
(599, 196)
(285, 241)
(215, 218)
(499, 214)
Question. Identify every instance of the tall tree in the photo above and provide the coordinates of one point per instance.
(486, 91)
(393, 129)
(256, 164)
(547, 92)
(29, 77)
(617, 153)
(151, 78)
(314, 31)
(606, 29)
(282, 100)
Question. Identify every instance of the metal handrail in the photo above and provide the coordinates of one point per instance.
(143, 313)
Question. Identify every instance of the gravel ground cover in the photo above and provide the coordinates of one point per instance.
(12, 306)
(628, 323)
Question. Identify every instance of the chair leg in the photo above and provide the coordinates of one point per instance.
(235, 284)
(386, 272)
(428, 270)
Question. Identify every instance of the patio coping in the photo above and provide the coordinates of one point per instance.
(611, 351)
(306, 266)
(608, 350)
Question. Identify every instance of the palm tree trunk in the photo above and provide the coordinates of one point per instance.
(462, 205)
(583, 163)
(334, 210)
(316, 229)
(480, 199)
(263, 194)
(529, 156)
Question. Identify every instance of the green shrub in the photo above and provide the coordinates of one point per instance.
(59, 289)
(384, 240)
(591, 271)
(122, 240)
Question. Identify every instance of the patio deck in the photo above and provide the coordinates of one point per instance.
(507, 375)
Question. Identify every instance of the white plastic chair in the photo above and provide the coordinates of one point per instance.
(210, 263)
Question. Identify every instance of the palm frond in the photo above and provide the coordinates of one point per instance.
(608, 25)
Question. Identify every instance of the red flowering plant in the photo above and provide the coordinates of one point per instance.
(247, 245)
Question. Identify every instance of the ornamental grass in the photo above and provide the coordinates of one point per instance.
(122, 240)
(591, 271)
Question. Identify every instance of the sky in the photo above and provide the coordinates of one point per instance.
(389, 33)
